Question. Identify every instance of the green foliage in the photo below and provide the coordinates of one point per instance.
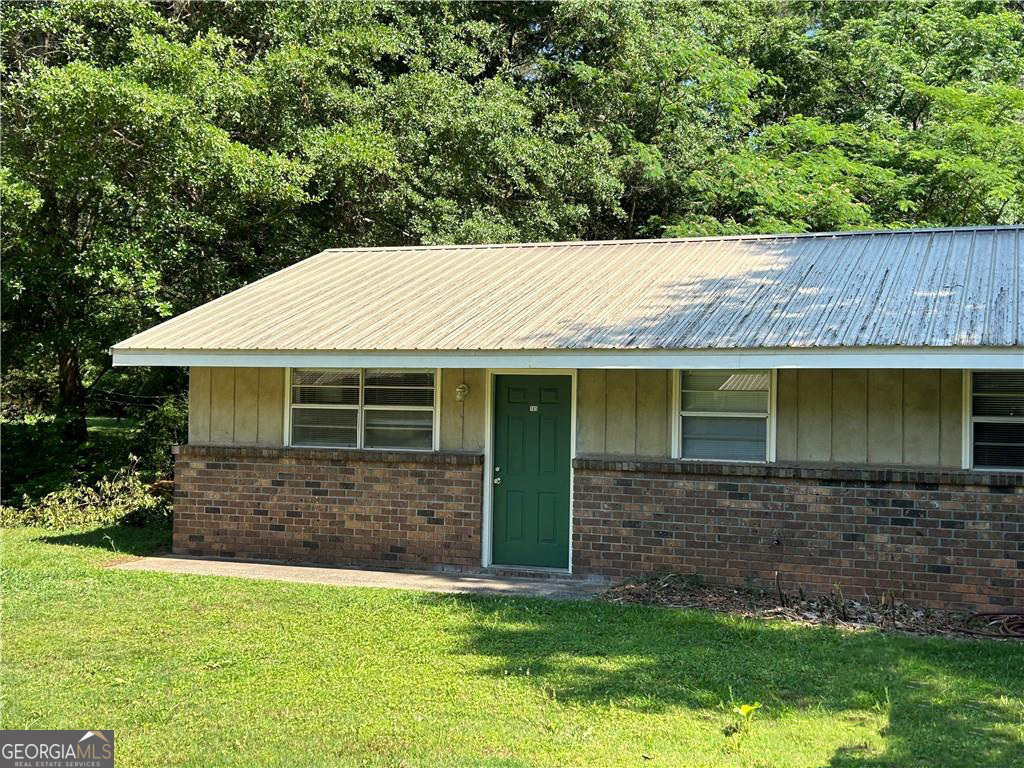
(36, 460)
(122, 498)
(164, 426)
(157, 155)
(26, 392)
(131, 186)
(746, 711)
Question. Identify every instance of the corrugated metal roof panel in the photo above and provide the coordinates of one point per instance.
(921, 288)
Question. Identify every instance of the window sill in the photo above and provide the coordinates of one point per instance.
(354, 449)
(333, 455)
(744, 462)
(839, 473)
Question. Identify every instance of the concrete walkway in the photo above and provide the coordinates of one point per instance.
(555, 589)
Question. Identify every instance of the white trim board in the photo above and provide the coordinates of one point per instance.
(966, 423)
(976, 358)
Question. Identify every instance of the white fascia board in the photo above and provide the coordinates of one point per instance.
(977, 358)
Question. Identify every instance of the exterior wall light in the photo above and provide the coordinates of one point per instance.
(461, 392)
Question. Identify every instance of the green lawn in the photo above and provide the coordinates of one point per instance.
(211, 671)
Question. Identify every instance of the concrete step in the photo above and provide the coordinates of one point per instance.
(540, 574)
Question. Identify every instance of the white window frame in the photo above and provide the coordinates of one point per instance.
(435, 428)
(771, 426)
(969, 420)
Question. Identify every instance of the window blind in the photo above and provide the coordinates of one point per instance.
(997, 419)
(725, 415)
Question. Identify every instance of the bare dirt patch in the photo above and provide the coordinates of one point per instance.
(119, 560)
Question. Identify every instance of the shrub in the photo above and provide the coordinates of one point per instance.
(27, 391)
(37, 461)
(157, 431)
(123, 499)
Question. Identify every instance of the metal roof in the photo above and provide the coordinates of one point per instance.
(910, 288)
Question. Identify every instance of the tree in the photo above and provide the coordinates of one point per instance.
(159, 154)
(874, 115)
(115, 190)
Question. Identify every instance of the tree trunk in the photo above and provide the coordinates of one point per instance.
(71, 406)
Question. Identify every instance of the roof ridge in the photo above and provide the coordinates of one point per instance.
(666, 240)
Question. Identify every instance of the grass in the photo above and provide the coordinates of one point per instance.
(109, 424)
(214, 671)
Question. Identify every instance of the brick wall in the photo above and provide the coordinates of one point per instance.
(405, 509)
(947, 539)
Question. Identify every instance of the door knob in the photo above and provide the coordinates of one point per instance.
(497, 481)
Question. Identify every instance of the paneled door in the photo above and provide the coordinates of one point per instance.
(532, 455)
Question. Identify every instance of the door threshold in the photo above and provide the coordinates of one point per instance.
(536, 571)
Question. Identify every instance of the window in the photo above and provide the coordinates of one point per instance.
(997, 419)
(371, 408)
(725, 415)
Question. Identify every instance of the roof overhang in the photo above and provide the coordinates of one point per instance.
(992, 358)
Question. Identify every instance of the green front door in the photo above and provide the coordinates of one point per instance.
(532, 454)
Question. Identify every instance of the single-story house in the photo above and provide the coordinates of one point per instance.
(841, 409)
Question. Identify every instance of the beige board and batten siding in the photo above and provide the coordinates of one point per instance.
(883, 417)
(888, 417)
(463, 426)
(624, 412)
(236, 406)
(245, 406)
(621, 412)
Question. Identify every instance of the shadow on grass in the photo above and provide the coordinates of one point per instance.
(948, 702)
(930, 725)
(117, 539)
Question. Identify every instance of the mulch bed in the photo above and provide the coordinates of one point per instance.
(886, 614)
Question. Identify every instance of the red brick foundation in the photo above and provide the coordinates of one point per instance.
(945, 539)
(414, 510)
